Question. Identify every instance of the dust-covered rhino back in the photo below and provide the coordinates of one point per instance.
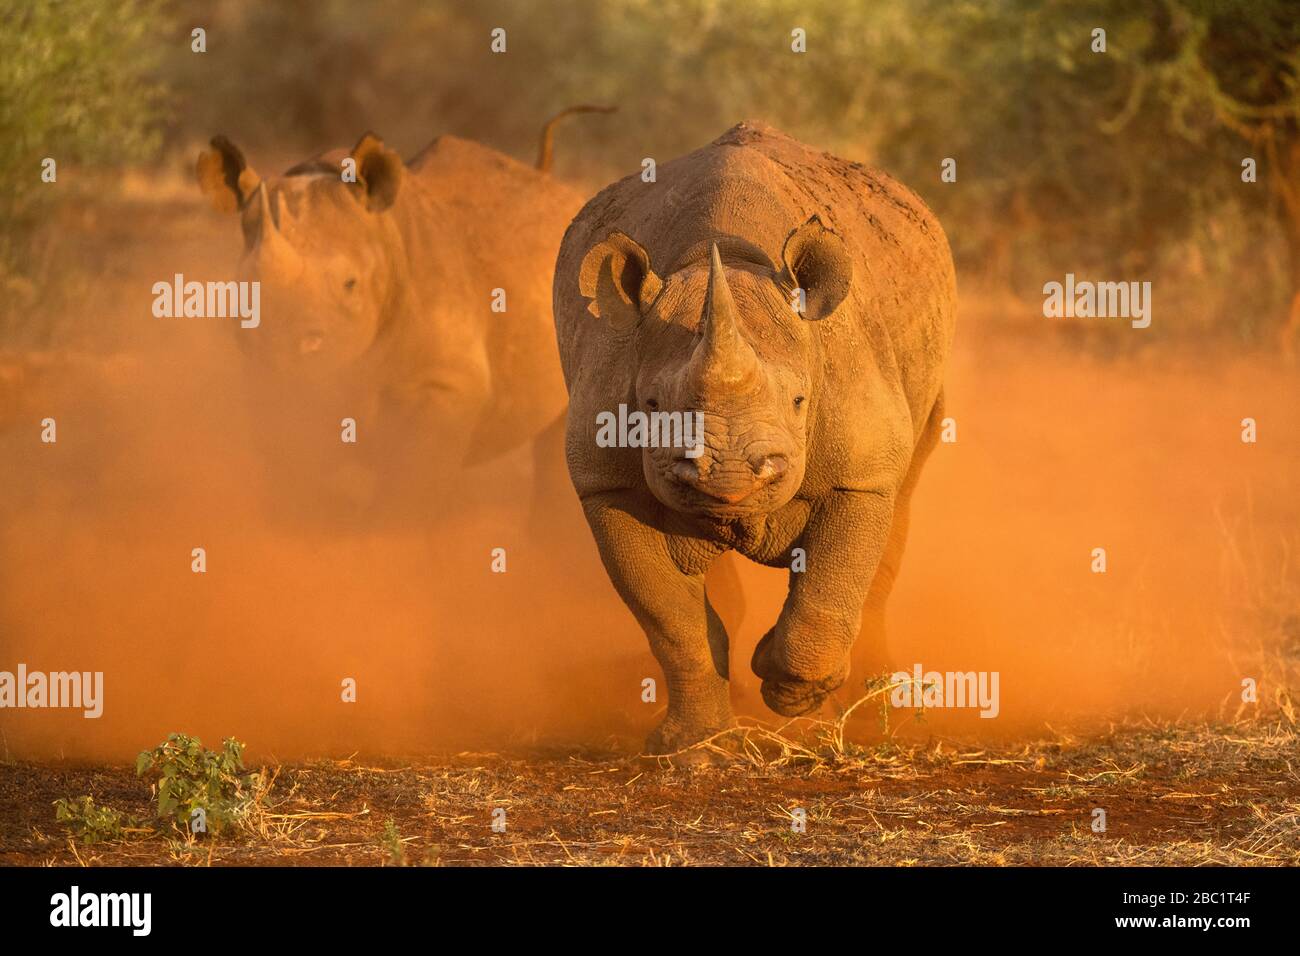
(508, 219)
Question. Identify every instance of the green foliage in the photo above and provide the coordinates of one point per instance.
(77, 84)
(1124, 163)
(391, 840)
(88, 822)
(309, 69)
(186, 777)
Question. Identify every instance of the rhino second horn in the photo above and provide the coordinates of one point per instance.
(284, 221)
(274, 251)
(722, 357)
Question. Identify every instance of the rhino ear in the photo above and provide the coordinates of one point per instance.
(379, 172)
(617, 278)
(224, 176)
(816, 261)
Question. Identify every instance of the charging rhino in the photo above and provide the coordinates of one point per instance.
(802, 306)
(425, 284)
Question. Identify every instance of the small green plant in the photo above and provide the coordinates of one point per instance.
(392, 842)
(88, 822)
(187, 778)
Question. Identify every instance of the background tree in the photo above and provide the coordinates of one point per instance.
(79, 84)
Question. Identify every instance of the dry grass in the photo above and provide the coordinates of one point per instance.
(1174, 794)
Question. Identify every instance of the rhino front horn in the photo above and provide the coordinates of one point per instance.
(722, 357)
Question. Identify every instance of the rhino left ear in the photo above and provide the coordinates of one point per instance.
(224, 175)
(616, 276)
(379, 172)
(815, 260)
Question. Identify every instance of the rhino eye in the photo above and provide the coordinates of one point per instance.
(349, 285)
(798, 401)
(652, 404)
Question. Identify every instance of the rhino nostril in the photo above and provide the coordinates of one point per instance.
(688, 470)
(770, 467)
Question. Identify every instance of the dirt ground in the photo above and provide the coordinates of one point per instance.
(1189, 795)
(1066, 441)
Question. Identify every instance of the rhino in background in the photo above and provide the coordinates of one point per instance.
(384, 285)
(681, 296)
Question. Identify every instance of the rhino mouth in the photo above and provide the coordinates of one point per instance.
(727, 486)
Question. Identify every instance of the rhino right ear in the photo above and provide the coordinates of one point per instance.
(814, 259)
(617, 278)
(379, 172)
(224, 176)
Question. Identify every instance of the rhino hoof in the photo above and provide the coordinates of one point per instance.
(793, 698)
(672, 738)
(786, 694)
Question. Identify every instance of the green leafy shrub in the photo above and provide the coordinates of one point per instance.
(91, 824)
(187, 777)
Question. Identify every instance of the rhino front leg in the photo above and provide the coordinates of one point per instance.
(806, 655)
(669, 602)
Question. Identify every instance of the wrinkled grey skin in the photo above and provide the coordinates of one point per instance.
(679, 295)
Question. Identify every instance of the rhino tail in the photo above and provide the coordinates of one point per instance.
(546, 145)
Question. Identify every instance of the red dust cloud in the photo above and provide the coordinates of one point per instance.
(171, 446)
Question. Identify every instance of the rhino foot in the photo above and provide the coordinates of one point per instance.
(675, 737)
(786, 694)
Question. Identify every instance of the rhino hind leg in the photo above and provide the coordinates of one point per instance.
(871, 652)
(724, 591)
